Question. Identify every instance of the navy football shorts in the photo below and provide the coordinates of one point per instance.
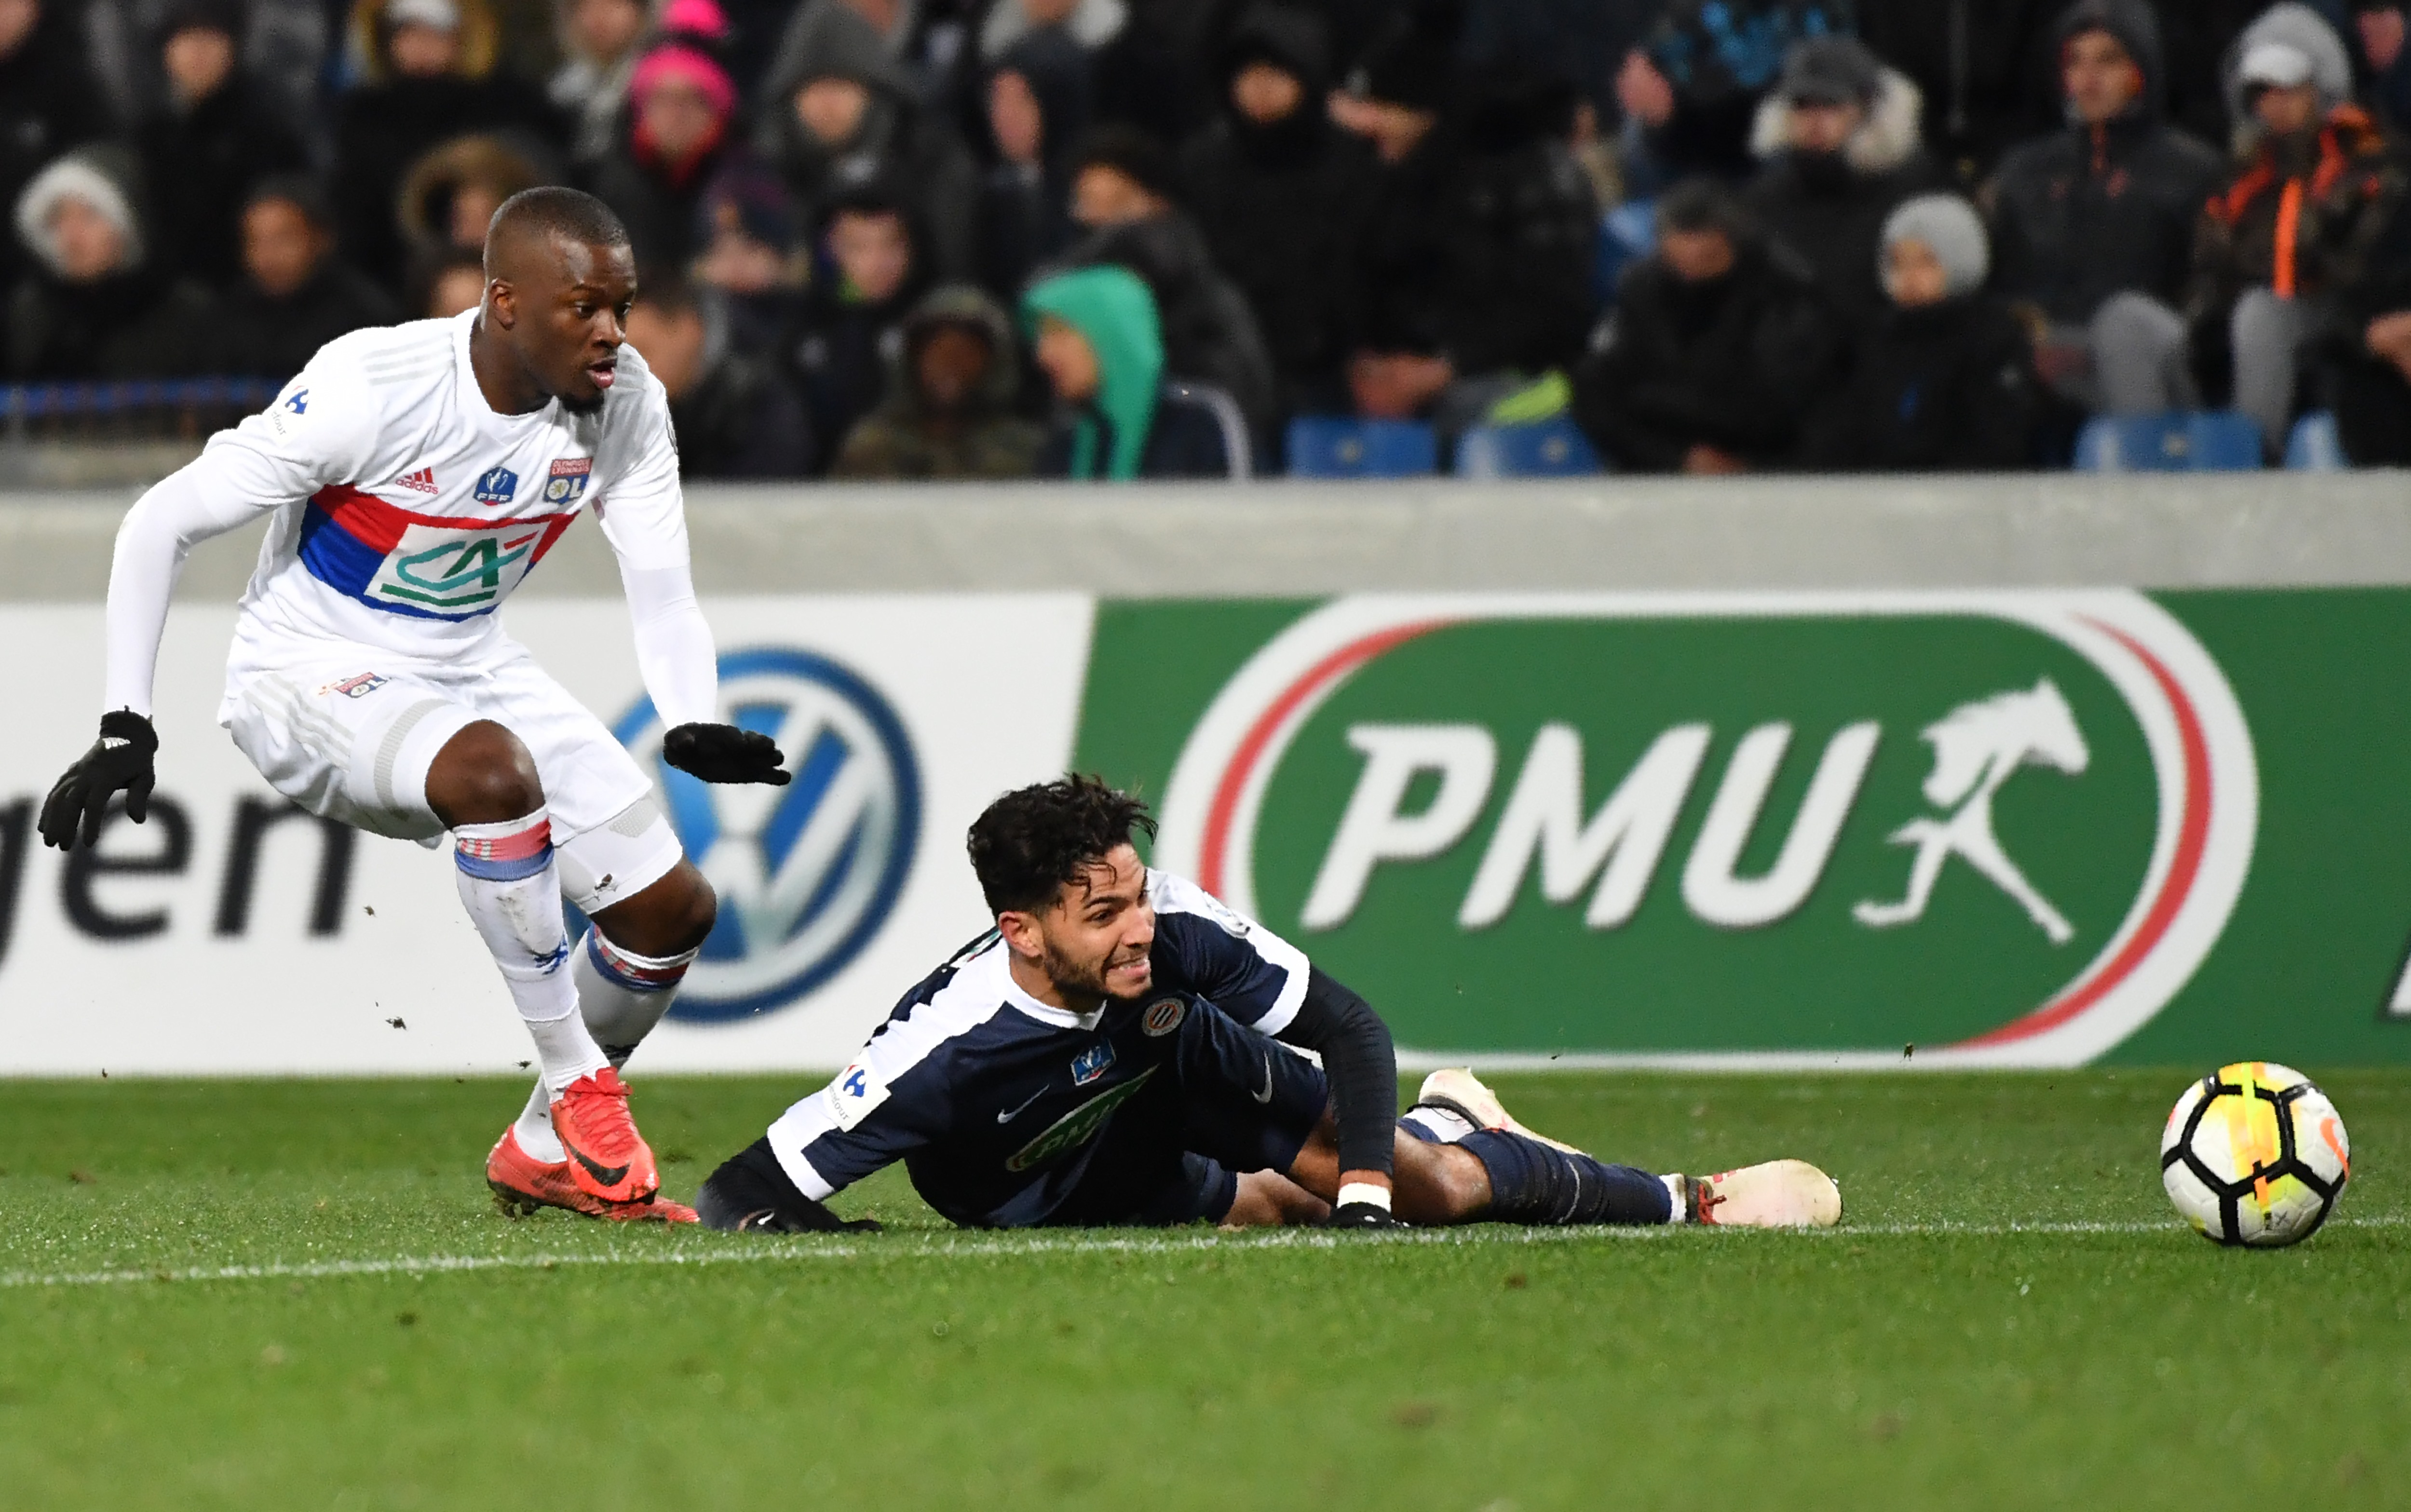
(1237, 1101)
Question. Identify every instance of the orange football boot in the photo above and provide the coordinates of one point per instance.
(522, 1184)
(607, 1159)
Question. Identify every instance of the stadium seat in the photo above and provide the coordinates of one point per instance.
(1337, 446)
(1553, 448)
(2314, 446)
(1238, 459)
(2196, 440)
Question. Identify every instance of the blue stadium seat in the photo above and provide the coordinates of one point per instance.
(1337, 446)
(2314, 446)
(2195, 441)
(1551, 449)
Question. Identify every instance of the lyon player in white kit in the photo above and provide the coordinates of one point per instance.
(414, 475)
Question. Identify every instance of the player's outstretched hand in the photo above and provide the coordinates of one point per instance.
(119, 762)
(722, 753)
(1362, 1215)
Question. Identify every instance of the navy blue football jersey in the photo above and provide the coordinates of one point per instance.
(995, 1099)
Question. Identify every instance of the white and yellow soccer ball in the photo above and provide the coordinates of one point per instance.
(2255, 1154)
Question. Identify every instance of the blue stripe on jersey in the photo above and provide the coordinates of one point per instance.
(349, 564)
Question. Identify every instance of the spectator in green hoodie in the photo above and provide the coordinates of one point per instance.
(1101, 345)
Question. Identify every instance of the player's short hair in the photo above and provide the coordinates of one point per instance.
(1034, 841)
(554, 210)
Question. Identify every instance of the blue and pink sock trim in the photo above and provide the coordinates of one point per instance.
(507, 852)
(637, 973)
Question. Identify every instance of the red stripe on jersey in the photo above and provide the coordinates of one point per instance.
(379, 525)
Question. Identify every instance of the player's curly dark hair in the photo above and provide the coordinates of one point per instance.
(1034, 841)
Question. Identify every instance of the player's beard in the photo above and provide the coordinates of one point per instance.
(1076, 980)
(584, 408)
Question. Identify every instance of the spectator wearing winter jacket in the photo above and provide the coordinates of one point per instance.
(2093, 226)
(49, 101)
(1281, 195)
(1038, 104)
(96, 306)
(295, 293)
(213, 136)
(1123, 193)
(837, 112)
(1693, 88)
(2314, 186)
(599, 43)
(952, 400)
(1943, 381)
(755, 266)
(2363, 356)
(449, 196)
(1839, 139)
(682, 107)
(734, 416)
(1719, 346)
(852, 316)
(430, 79)
(1472, 272)
(1094, 334)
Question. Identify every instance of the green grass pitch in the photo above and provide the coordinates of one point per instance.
(383, 1339)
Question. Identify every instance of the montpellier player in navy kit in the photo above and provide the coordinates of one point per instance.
(1118, 1049)
(413, 475)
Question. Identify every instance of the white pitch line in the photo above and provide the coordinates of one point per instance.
(968, 1246)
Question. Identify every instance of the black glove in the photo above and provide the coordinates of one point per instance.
(724, 753)
(119, 762)
(1363, 1216)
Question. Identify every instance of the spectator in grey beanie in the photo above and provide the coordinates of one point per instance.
(1945, 380)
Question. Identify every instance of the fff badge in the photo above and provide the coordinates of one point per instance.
(1732, 830)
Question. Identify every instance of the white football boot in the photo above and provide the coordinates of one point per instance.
(1461, 1091)
(1780, 1194)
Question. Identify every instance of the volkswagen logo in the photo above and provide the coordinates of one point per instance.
(806, 873)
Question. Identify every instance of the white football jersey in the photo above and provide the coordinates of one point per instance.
(407, 510)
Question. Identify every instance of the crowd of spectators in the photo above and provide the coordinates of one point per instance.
(1115, 239)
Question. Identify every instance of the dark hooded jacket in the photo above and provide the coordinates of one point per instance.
(139, 321)
(1477, 247)
(1209, 330)
(1947, 387)
(261, 335)
(1281, 206)
(742, 420)
(896, 144)
(1024, 209)
(199, 164)
(1830, 207)
(1735, 364)
(2089, 211)
(906, 439)
(48, 103)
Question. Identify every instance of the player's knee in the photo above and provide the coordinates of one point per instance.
(672, 916)
(693, 909)
(484, 776)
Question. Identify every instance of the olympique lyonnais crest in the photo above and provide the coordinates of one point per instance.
(566, 482)
(1732, 830)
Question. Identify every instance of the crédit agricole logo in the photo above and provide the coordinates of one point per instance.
(1733, 829)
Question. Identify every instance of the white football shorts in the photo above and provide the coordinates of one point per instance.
(349, 732)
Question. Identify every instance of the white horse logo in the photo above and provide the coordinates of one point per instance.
(1977, 747)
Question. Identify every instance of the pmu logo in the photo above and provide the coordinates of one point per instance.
(1755, 830)
(806, 873)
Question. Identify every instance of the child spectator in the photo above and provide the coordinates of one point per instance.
(1096, 339)
(96, 306)
(837, 112)
(2315, 183)
(734, 416)
(1123, 190)
(1280, 195)
(598, 41)
(1839, 139)
(682, 103)
(1719, 346)
(2092, 225)
(1038, 104)
(430, 67)
(215, 136)
(852, 316)
(952, 394)
(295, 293)
(49, 101)
(1944, 380)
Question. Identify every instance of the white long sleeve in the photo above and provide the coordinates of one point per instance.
(177, 514)
(674, 648)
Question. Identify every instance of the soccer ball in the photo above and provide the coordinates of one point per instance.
(2254, 1154)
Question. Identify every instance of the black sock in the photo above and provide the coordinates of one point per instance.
(1540, 1184)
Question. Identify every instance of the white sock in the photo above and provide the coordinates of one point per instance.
(1445, 1128)
(1674, 1190)
(621, 995)
(512, 891)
